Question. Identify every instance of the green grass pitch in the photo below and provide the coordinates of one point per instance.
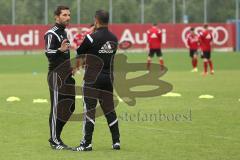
(210, 132)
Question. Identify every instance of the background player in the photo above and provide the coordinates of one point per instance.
(154, 40)
(78, 38)
(206, 39)
(88, 30)
(80, 62)
(81, 34)
(193, 45)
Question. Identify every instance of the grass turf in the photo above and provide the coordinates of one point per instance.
(209, 131)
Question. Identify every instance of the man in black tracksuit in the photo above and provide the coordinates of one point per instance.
(99, 49)
(60, 81)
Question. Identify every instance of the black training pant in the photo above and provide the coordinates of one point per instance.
(100, 91)
(62, 103)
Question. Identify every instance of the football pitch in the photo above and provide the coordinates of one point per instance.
(168, 128)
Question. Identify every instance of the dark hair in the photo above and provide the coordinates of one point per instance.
(154, 24)
(205, 26)
(192, 29)
(59, 9)
(102, 16)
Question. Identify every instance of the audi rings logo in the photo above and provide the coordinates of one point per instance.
(71, 32)
(220, 34)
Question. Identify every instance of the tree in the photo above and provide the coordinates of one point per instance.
(158, 11)
(124, 11)
(5, 11)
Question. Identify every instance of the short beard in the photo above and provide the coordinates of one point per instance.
(64, 23)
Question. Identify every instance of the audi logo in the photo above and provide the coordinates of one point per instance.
(216, 32)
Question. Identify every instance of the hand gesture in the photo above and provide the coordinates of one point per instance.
(64, 46)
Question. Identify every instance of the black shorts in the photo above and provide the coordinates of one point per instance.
(192, 52)
(207, 54)
(153, 51)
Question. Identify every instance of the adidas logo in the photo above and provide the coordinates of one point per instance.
(154, 35)
(208, 36)
(106, 48)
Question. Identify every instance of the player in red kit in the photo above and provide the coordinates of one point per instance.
(154, 40)
(206, 39)
(193, 45)
(89, 30)
(81, 34)
(78, 38)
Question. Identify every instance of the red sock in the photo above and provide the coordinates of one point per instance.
(148, 64)
(196, 62)
(193, 63)
(161, 62)
(205, 66)
(210, 64)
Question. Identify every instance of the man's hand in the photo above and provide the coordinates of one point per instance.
(64, 46)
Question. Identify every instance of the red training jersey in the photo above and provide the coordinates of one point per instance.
(193, 41)
(205, 39)
(88, 31)
(154, 38)
(78, 38)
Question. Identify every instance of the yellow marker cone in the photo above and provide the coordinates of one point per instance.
(40, 101)
(120, 100)
(206, 96)
(12, 99)
(171, 94)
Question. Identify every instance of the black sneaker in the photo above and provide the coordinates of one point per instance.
(116, 146)
(60, 146)
(83, 147)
